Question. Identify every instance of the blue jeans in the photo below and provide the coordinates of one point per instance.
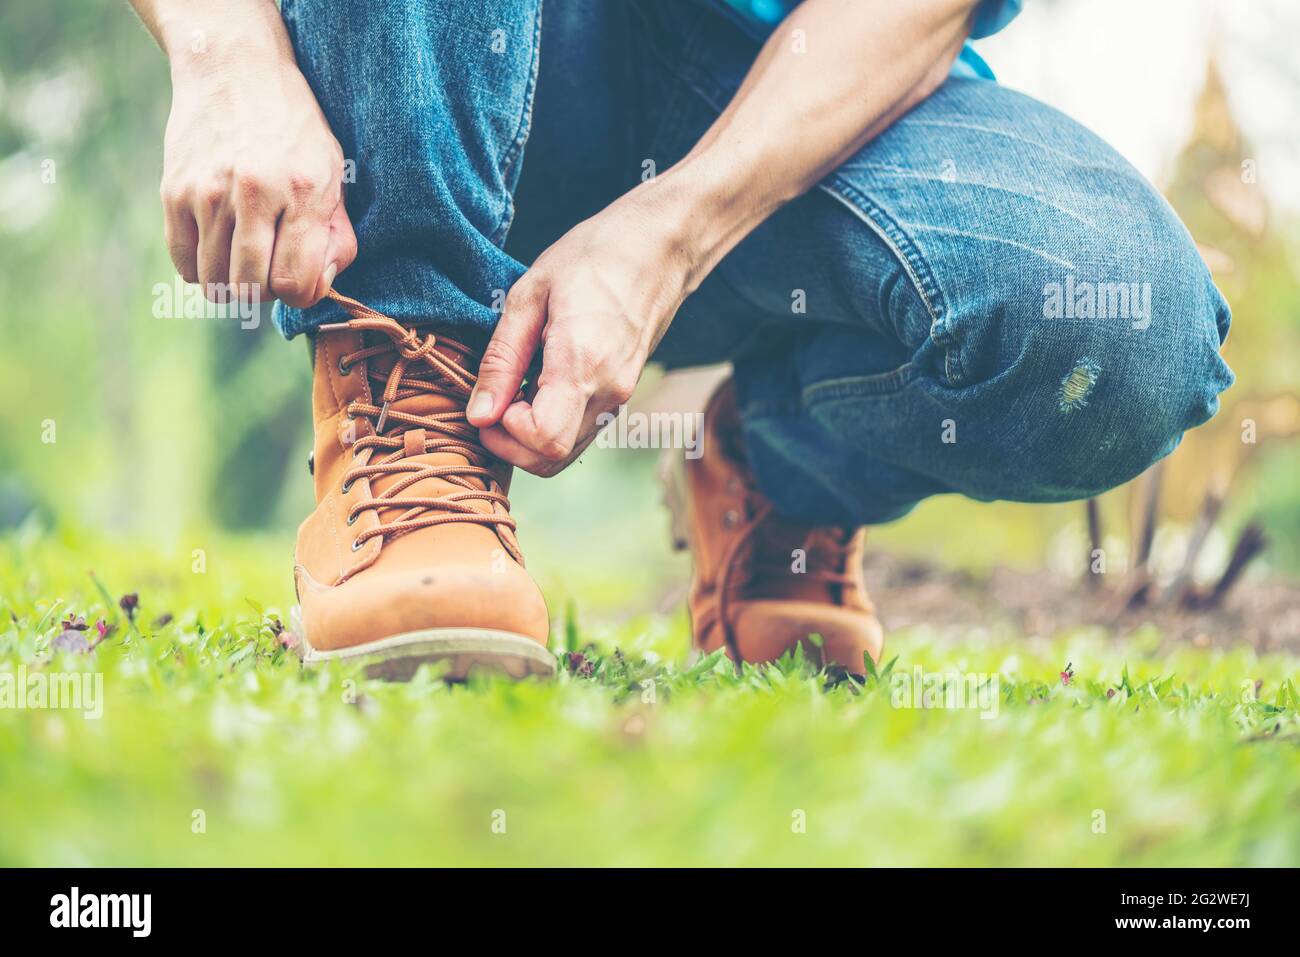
(986, 299)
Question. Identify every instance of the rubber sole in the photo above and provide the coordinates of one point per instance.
(465, 650)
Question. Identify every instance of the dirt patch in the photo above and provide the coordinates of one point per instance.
(908, 592)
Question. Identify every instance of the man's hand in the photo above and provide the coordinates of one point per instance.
(252, 176)
(596, 303)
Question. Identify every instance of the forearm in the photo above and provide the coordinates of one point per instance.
(803, 110)
(215, 36)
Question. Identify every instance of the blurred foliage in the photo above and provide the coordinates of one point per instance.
(157, 423)
(1218, 189)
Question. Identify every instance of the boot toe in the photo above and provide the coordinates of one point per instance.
(766, 629)
(374, 605)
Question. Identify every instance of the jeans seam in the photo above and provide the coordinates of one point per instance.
(516, 147)
(913, 263)
(853, 387)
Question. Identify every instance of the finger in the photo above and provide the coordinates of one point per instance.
(182, 235)
(340, 249)
(505, 446)
(257, 207)
(510, 351)
(298, 260)
(250, 256)
(216, 235)
(549, 424)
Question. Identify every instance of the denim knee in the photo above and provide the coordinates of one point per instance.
(1103, 369)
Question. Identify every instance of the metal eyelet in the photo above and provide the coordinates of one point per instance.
(344, 368)
(730, 518)
(347, 487)
(356, 544)
(352, 519)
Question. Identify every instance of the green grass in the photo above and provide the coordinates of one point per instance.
(208, 719)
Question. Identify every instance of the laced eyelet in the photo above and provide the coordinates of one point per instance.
(413, 365)
(730, 518)
(352, 519)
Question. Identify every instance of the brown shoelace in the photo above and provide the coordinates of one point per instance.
(418, 368)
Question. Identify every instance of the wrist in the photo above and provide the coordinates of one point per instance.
(708, 204)
(222, 37)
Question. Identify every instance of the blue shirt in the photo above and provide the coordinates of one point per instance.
(990, 17)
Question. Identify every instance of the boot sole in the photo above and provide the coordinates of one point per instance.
(465, 650)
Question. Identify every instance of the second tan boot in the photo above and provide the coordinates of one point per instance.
(763, 584)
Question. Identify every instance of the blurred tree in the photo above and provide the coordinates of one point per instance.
(1220, 192)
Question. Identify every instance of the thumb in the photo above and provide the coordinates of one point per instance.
(340, 249)
(508, 355)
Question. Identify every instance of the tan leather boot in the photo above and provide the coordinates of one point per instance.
(763, 584)
(410, 555)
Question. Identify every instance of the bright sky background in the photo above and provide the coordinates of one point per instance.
(1131, 70)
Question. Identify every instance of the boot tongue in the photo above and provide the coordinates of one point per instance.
(449, 399)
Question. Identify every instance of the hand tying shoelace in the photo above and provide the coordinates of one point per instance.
(418, 432)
